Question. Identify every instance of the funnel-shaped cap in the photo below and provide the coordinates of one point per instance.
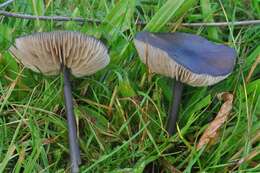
(45, 52)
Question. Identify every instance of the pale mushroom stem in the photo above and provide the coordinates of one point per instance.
(174, 110)
(73, 141)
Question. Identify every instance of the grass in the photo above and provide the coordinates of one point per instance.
(121, 110)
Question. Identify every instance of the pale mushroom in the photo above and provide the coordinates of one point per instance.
(63, 51)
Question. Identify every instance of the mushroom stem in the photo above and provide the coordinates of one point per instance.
(73, 142)
(174, 110)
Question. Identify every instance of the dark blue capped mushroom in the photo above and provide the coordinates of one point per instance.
(187, 58)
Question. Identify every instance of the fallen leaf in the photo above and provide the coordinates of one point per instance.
(211, 133)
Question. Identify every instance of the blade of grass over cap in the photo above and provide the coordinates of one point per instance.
(207, 13)
(118, 18)
(171, 9)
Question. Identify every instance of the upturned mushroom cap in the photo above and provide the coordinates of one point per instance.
(45, 52)
(189, 58)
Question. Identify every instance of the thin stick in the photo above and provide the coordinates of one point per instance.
(174, 110)
(54, 18)
(73, 142)
(235, 23)
(95, 21)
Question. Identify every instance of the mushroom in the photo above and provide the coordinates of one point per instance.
(188, 58)
(67, 51)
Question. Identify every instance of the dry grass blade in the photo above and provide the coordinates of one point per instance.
(10, 90)
(253, 141)
(250, 156)
(50, 140)
(250, 73)
(212, 131)
(95, 104)
(7, 157)
(255, 152)
(170, 167)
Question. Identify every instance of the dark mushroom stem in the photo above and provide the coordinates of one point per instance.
(174, 110)
(153, 167)
(73, 141)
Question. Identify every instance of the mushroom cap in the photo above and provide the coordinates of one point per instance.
(45, 52)
(189, 58)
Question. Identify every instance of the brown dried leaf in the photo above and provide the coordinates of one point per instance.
(211, 133)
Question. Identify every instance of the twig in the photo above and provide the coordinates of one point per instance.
(95, 21)
(235, 23)
(6, 3)
(55, 18)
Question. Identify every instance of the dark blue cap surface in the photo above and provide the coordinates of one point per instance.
(193, 52)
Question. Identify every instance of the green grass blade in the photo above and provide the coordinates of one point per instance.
(116, 150)
(170, 9)
(207, 14)
(119, 18)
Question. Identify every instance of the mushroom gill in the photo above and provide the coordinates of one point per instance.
(45, 52)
